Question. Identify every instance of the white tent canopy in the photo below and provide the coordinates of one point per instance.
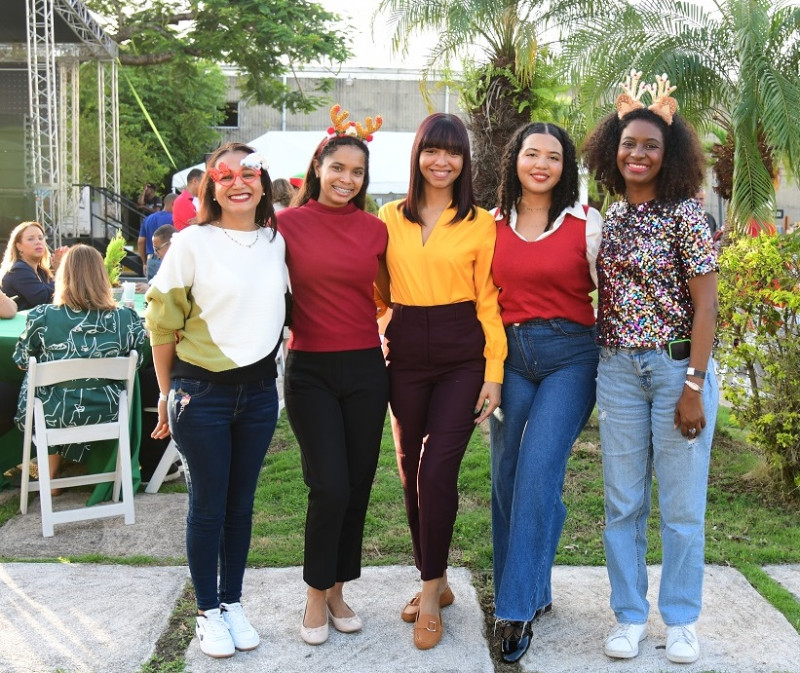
(288, 153)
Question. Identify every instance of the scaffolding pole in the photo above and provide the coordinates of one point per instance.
(42, 98)
(69, 148)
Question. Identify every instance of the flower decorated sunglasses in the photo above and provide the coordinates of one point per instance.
(249, 172)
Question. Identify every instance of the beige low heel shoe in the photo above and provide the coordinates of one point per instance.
(313, 635)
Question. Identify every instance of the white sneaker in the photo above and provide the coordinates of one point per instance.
(623, 641)
(213, 634)
(682, 644)
(245, 637)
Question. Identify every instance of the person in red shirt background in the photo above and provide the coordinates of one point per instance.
(184, 211)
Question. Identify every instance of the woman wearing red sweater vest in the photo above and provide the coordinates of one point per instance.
(544, 265)
(336, 386)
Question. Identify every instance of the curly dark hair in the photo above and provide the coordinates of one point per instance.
(565, 193)
(682, 170)
(210, 210)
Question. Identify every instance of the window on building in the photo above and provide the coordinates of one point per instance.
(231, 118)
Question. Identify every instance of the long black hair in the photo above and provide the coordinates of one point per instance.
(312, 184)
(445, 132)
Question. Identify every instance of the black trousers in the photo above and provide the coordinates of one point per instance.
(336, 404)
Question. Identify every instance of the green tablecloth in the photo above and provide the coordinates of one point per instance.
(103, 456)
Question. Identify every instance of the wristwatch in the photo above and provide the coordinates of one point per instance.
(699, 373)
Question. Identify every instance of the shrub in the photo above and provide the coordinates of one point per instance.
(760, 345)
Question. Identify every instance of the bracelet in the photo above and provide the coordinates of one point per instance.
(162, 397)
(699, 373)
(693, 386)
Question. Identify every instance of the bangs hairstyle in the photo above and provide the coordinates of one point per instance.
(312, 184)
(210, 210)
(81, 281)
(444, 132)
(12, 255)
(682, 168)
(565, 192)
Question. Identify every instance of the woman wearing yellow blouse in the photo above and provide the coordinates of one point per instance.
(446, 347)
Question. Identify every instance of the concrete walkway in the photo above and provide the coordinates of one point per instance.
(86, 618)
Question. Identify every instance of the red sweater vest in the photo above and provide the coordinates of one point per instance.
(548, 278)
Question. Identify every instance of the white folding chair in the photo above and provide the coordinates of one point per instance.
(51, 373)
(280, 363)
(170, 456)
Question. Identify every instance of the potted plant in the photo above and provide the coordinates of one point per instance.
(115, 253)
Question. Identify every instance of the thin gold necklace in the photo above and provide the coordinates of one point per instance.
(538, 209)
(244, 245)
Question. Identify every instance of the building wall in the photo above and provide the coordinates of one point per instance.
(789, 204)
(395, 95)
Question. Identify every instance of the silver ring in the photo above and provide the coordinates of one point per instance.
(693, 431)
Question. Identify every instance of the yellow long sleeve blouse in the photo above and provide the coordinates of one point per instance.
(454, 265)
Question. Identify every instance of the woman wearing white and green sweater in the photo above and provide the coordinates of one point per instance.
(215, 315)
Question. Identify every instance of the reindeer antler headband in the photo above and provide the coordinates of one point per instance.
(664, 105)
(341, 127)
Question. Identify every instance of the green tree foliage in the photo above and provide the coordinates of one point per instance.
(265, 39)
(508, 76)
(759, 332)
(184, 100)
(736, 69)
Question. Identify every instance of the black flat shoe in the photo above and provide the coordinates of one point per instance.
(516, 639)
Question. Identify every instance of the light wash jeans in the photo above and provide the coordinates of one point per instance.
(548, 395)
(637, 390)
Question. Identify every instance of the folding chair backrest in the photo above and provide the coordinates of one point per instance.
(61, 371)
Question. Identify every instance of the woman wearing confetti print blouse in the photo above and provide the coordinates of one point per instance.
(656, 388)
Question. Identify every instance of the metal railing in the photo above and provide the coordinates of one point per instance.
(109, 213)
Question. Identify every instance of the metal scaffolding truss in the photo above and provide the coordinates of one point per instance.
(53, 97)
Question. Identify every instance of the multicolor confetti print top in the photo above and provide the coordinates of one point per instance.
(648, 254)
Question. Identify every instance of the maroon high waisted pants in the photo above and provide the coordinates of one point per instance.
(436, 371)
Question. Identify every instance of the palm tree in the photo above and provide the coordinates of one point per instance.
(736, 68)
(508, 76)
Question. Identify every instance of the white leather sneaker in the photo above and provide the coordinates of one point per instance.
(214, 636)
(623, 641)
(682, 644)
(245, 637)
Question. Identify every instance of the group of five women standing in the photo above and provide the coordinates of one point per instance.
(478, 301)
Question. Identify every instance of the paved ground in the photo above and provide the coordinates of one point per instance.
(85, 618)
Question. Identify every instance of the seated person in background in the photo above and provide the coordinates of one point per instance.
(8, 307)
(162, 237)
(282, 193)
(148, 201)
(150, 262)
(82, 322)
(184, 211)
(27, 268)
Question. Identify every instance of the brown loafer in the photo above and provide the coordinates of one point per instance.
(428, 631)
(409, 612)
